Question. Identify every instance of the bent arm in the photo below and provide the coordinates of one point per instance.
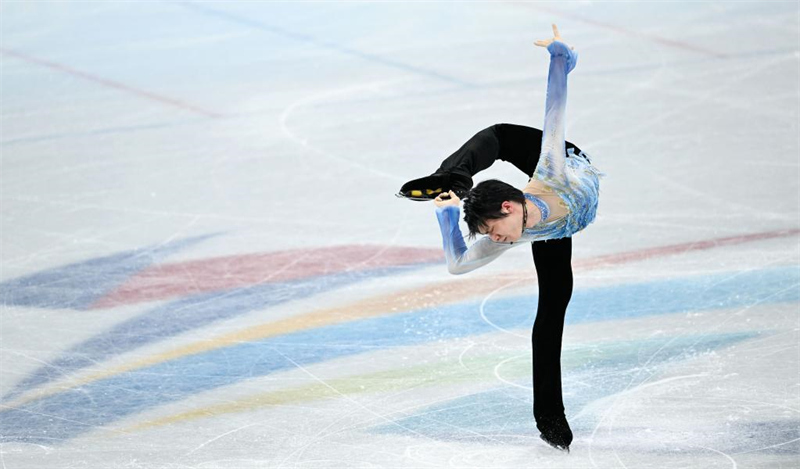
(552, 158)
(460, 258)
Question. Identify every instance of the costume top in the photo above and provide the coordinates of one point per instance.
(572, 178)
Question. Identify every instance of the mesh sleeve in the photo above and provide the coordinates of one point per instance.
(552, 157)
(460, 258)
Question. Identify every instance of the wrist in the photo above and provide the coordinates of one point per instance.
(558, 48)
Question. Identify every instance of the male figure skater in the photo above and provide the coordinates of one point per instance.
(559, 200)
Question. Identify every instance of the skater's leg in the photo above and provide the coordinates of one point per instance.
(520, 146)
(456, 171)
(552, 259)
(477, 154)
(554, 270)
(516, 144)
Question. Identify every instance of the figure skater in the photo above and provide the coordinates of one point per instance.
(559, 200)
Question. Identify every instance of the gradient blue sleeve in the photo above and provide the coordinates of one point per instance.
(552, 158)
(460, 258)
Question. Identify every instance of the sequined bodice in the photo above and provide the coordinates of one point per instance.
(579, 190)
(571, 177)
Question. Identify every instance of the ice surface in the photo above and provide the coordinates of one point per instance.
(203, 264)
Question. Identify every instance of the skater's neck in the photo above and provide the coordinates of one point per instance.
(534, 214)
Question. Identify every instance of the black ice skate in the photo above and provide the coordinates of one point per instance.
(429, 187)
(555, 431)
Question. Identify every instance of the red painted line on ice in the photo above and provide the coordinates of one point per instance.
(630, 32)
(231, 272)
(633, 256)
(110, 83)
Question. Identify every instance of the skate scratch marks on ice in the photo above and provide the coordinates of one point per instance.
(322, 44)
(205, 290)
(103, 402)
(319, 152)
(110, 83)
(446, 293)
(629, 32)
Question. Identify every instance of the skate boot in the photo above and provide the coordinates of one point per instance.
(555, 431)
(429, 187)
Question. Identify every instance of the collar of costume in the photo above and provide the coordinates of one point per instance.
(524, 217)
(540, 205)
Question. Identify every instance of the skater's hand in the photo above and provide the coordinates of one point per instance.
(556, 37)
(444, 202)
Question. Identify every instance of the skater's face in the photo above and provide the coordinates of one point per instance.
(507, 229)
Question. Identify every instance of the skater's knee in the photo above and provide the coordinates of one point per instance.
(555, 298)
(555, 285)
(489, 134)
(494, 128)
(553, 306)
(547, 335)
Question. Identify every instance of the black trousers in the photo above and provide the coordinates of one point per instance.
(520, 145)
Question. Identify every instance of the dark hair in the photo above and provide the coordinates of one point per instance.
(484, 202)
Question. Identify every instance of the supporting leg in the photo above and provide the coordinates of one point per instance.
(554, 270)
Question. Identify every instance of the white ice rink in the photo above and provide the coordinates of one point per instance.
(204, 264)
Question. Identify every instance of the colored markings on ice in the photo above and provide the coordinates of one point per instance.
(264, 280)
(106, 400)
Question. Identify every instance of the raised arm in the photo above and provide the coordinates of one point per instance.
(552, 157)
(460, 258)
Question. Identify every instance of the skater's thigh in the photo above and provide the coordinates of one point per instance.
(519, 145)
(553, 261)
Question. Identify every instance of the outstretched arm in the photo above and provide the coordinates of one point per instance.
(552, 157)
(460, 258)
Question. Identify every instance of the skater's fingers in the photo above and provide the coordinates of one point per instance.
(555, 31)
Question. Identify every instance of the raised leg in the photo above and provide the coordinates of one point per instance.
(517, 144)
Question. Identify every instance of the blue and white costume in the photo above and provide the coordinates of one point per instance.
(568, 185)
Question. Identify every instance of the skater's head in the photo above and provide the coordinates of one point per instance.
(494, 208)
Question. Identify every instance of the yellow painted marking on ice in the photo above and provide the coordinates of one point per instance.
(450, 372)
(443, 293)
(469, 369)
(409, 300)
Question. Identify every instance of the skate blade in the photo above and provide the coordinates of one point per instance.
(400, 195)
(558, 447)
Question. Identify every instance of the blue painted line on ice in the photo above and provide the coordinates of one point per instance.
(494, 414)
(99, 403)
(188, 314)
(78, 285)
